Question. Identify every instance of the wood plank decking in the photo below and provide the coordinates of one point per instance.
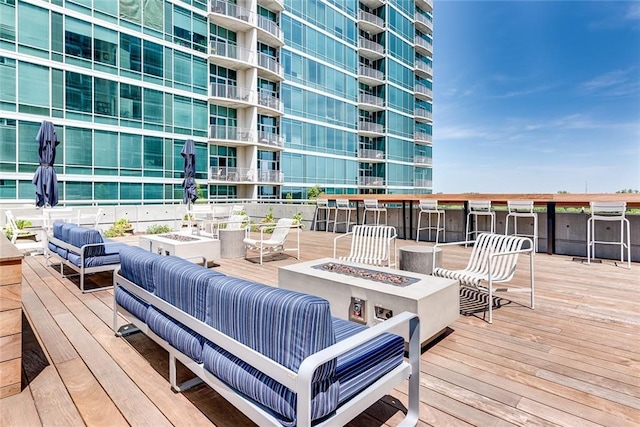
(574, 360)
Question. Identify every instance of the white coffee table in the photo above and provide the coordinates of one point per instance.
(186, 246)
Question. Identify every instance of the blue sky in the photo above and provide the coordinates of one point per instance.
(536, 96)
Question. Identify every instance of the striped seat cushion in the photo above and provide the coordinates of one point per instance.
(136, 265)
(80, 236)
(132, 303)
(175, 333)
(283, 325)
(96, 261)
(360, 367)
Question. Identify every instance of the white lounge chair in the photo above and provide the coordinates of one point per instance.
(16, 232)
(275, 243)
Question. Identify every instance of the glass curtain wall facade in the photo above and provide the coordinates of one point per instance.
(278, 96)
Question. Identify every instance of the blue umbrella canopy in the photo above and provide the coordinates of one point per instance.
(189, 183)
(45, 178)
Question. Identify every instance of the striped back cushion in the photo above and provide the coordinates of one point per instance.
(137, 265)
(57, 229)
(283, 325)
(63, 230)
(80, 236)
(183, 284)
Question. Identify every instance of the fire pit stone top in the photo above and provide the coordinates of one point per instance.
(178, 237)
(367, 274)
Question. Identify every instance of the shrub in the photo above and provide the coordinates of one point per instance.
(158, 229)
(20, 223)
(118, 229)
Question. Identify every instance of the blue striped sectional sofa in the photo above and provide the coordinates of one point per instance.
(83, 250)
(277, 355)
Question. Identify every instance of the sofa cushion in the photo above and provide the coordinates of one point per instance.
(183, 284)
(132, 303)
(80, 236)
(283, 325)
(136, 265)
(360, 367)
(61, 230)
(175, 333)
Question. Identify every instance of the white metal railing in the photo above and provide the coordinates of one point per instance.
(370, 45)
(270, 63)
(268, 99)
(424, 20)
(233, 174)
(270, 138)
(232, 10)
(365, 98)
(423, 66)
(423, 112)
(232, 133)
(418, 88)
(227, 50)
(423, 43)
(374, 181)
(423, 183)
(370, 72)
(367, 153)
(264, 175)
(370, 18)
(370, 127)
(221, 90)
(423, 136)
(423, 160)
(270, 27)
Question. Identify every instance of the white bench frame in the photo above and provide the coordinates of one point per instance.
(299, 382)
(370, 244)
(494, 259)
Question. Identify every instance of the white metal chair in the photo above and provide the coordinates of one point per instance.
(275, 243)
(609, 211)
(345, 206)
(371, 205)
(16, 232)
(522, 209)
(430, 208)
(236, 210)
(322, 208)
(370, 244)
(236, 222)
(479, 208)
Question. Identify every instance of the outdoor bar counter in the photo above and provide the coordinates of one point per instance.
(549, 201)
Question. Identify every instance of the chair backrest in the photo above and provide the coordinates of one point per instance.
(609, 209)
(520, 206)
(370, 204)
(96, 222)
(342, 204)
(235, 222)
(322, 203)
(371, 244)
(282, 230)
(236, 210)
(428, 205)
(479, 205)
(504, 267)
(11, 221)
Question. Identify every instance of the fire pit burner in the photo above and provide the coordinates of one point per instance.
(365, 273)
(178, 237)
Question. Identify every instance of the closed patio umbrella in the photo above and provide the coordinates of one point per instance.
(189, 183)
(45, 179)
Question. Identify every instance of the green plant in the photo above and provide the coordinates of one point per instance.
(297, 220)
(119, 228)
(314, 192)
(20, 223)
(158, 229)
(269, 218)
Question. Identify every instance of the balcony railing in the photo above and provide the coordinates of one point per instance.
(424, 20)
(231, 133)
(264, 175)
(423, 160)
(221, 90)
(370, 127)
(230, 9)
(228, 50)
(370, 18)
(423, 137)
(370, 45)
(268, 99)
(423, 113)
(365, 98)
(234, 174)
(373, 181)
(423, 66)
(366, 153)
(270, 138)
(270, 27)
(423, 43)
(424, 90)
(423, 183)
(371, 72)
(270, 63)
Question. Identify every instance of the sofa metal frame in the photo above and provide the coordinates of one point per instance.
(299, 382)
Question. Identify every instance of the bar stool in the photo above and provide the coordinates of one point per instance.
(522, 209)
(430, 208)
(371, 205)
(343, 205)
(322, 205)
(608, 211)
(479, 208)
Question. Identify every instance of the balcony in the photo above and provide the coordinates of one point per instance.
(423, 161)
(423, 23)
(423, 115)
(231, 135)
(269, 103)
(270, 32)
(370, 129)
(424, 69)
(371, 181)
(370, 76)
(269, 67)
(423, 46)
(370, 49)
(370, 23)
(423, 138)
(423, 183)
(231, 174)
(229, 55)
(371, 155)
(370, 102)
(274, 5)
(423, 92)
(270, 176)
(231, 16)
(426, 5)
(230, 96)
(271, 139)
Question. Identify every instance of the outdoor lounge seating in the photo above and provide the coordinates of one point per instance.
(370, 244)
(290, 364)
(493, 260)
(276, 242)
(83, 250)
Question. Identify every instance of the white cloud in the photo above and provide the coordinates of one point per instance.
(614, 83)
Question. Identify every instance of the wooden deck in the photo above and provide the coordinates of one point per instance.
(574, 360)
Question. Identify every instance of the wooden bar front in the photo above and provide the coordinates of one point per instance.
(10, 318)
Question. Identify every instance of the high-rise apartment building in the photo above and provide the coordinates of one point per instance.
(278, 96)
